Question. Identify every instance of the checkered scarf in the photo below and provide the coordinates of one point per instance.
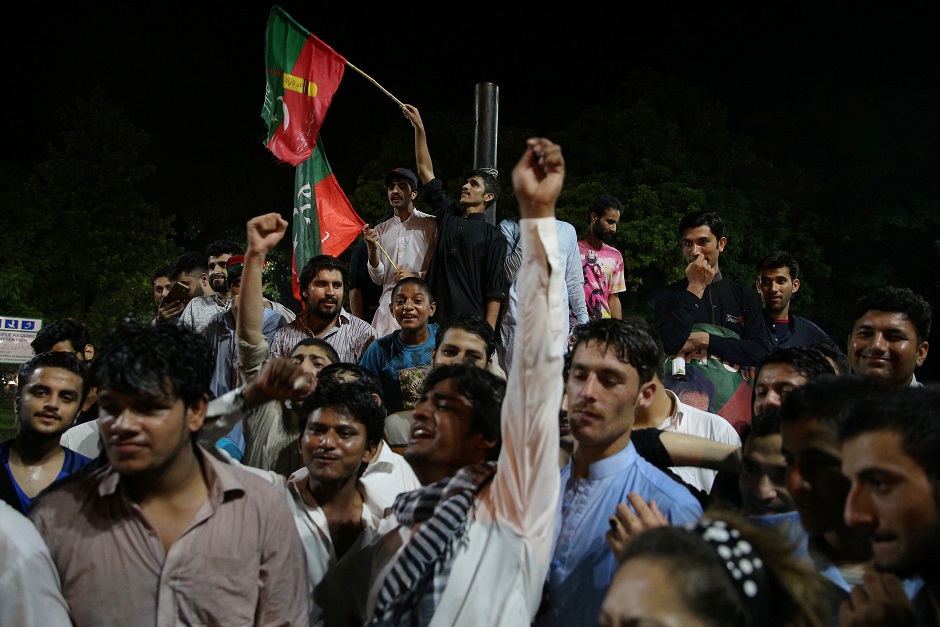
(413, 587)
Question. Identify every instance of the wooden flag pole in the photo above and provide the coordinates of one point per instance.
(387, 93)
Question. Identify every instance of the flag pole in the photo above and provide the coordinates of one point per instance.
(374, 82)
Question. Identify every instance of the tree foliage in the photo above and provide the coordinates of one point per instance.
(86, 240)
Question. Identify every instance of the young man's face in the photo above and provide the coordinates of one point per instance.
(893, 501)
(161, 285)
(701, 241)
(774, 382)
(776, 289)
(814, 473)
(218, 273)
(763, 476)
(311, 359)
(474, 194)
(333, 446)
(49, 402)
(411, 307)
(460, 347)
(883, 346)
(604, 226)
(146, 433)
(400, 194)
(441, 435)
(324, 295)
(603, 395)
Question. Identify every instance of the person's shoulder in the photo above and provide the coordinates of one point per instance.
(237, 477)
(566, 229)
(667, 491)
(716, 427)
(67, 495)
(807, 323)
(359, 323)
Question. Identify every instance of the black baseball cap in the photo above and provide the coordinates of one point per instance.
(405, 173)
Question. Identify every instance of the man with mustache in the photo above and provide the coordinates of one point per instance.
(323, 285)
(611, 377)
(52, 387)
(200, 310)
(601, 262)
(889, 337)
(164, 533)
(400, 247)
(466, 271)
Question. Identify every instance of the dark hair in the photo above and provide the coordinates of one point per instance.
(65, 361)
(794, 590)
(912, 413)
(331, 353)
(491, 182)
(484, 389)
(472, 324)
(601, 203)
(188, 263)
(780, 259)
(163, 359)
(827, 398)
(806, 360)
(702, 218)
(340, 371)
(830, 350)
(632, 340)
(897, 300)
(413, 280)
(694, 381)
(352, 398)
(60, 330)
(223, 247)
(158, 272)
(321, 262)
(763, 424)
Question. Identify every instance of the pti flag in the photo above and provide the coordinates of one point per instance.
(324, 220)
(303, 73)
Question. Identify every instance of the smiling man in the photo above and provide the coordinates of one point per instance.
(323, 287)
(891, 454)
(197, 541)
(888, 341)
(51, 389)
(199, 310)
(473, 544)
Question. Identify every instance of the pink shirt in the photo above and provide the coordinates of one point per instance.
(239, 562)
(603, 276)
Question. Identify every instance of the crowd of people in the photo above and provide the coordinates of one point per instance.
(484, 438)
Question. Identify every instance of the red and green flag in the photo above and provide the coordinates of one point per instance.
(303, 74)
(324, 221)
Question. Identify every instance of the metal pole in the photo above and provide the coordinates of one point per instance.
(486, 124)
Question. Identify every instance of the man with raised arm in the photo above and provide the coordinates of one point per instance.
(466, 273)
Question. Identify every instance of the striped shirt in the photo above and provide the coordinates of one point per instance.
(350, 337)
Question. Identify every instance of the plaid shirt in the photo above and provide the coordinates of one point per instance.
(350, 337)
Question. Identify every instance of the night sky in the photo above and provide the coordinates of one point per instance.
(193, 78)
